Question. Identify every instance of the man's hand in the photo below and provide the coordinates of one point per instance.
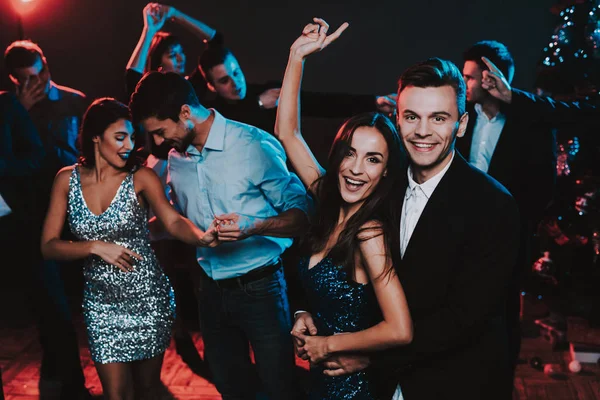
(314, 38)
(304, 325)
(495, 82)
(31, 92)
(345, 364)
(168, 11)
(233, 227)
(386, 104)
(270, 98)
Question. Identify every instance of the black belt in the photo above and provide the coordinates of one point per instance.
(248, 277)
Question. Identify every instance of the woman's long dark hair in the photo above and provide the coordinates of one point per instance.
(97, 118)
(382, 205)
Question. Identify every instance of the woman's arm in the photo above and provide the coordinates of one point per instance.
(198, 28)
(396, 329)
(153, 22)
(53, 247)
(287, 126)
(175, 224)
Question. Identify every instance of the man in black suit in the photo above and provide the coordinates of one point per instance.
(21, 156)
(511, 136)
(53, 113)
(506, 143)
(459, 241)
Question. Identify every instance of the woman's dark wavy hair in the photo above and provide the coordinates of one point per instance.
(382, 204)
(99, 115)
(161, 42)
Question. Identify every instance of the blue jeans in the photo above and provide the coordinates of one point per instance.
(256, 313)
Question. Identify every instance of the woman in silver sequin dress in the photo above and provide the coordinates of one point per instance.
(347, 273)
(128, 302)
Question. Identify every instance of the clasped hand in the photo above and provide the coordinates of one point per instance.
(230, 227)
(313, 348)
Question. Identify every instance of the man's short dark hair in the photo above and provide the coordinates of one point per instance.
(161, 43)
(496, 52)
(436, 72)
(22, 54)
(161, 95)
(212, 56)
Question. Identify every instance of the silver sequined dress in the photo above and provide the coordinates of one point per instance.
(128, 315)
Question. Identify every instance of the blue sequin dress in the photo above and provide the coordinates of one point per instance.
(128, 315)
(338, 305)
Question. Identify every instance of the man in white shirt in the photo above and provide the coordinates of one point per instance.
(459, 241)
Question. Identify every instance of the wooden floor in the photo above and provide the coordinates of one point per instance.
(20, 354)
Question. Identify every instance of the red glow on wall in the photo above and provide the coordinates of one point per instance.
(24, 7)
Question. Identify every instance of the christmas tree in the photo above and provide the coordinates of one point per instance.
(569, 67)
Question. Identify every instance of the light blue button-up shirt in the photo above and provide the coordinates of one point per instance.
(242, 170)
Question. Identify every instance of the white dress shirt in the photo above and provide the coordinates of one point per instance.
(415, 200)
(486, 134)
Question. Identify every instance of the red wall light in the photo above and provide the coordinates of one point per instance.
(23, 7)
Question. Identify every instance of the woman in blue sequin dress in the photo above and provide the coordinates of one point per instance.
(128, 301)
(356, 300)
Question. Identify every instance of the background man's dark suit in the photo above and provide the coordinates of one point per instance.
(23, 160)
(21, 156)
(455, 272)
(524, 161)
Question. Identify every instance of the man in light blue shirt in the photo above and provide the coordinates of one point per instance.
(232, 175)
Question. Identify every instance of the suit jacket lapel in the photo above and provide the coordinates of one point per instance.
(435, 211)
(504, 148)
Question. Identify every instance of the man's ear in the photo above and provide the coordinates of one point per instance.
(211, 87)
(45, 63)
(185, 113)
(462, 125)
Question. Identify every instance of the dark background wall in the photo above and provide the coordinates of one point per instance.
(88, 42)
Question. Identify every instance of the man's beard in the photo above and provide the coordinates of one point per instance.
(186, 141)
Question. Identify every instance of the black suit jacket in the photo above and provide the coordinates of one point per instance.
(524, 160)
(21, 156)
(455, 273)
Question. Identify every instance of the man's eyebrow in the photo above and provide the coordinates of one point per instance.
(156, 131)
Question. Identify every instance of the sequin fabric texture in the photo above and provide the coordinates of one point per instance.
(128, 315)
(338, 305)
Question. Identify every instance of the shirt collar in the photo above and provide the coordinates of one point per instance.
(53, 93)
(216, 135)
(481, 114)
(429, 186)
